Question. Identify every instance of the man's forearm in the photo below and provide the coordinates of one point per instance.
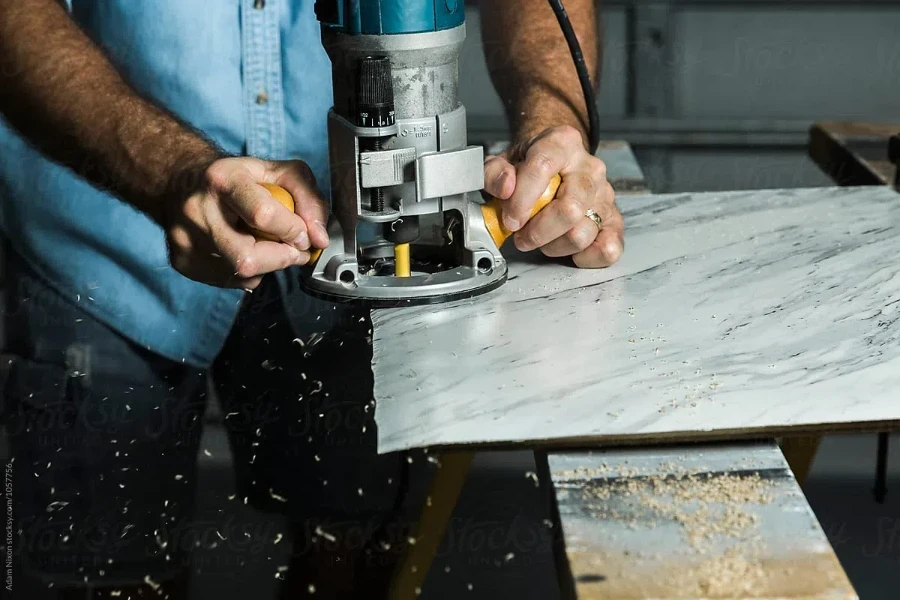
(61, 93)
(531, 66)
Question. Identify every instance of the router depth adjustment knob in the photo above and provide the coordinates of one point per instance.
(375, 93)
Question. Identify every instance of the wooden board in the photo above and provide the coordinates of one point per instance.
(691, 522)
(852, 152)
(730, 314)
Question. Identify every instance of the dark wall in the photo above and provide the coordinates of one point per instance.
(719, 94)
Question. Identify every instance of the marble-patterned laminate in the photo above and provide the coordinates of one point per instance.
(729, 312)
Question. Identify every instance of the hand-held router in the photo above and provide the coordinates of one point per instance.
(408, 224)
(491, 212)
(403, 178)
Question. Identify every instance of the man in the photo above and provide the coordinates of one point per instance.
(130, 262)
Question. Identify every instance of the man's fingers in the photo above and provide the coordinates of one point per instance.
(266, 257)
(607, 248)
(219, 274)
(257, 207)
(248, 256)
(603, 252)
(210, 268)
(579, 238)
(309, 203)
(499, 177)
(248, 284)
(575, 196)
(549, 155)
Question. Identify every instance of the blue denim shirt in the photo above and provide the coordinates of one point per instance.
(252, 75)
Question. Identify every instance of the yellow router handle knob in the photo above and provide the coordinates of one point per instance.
(285, 198)
(493, 211)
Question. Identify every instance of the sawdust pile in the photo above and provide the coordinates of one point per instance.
(731, 575)
(715, 514)
(706, 505)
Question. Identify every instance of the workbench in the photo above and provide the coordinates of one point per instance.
(659, 522)
(703, 521)
(858, 153)
(724, 520)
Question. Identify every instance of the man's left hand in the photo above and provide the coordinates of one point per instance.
(521, 174)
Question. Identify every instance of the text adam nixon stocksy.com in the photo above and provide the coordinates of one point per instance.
(8, 530)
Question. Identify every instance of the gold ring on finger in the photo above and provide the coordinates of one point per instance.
(593, 216)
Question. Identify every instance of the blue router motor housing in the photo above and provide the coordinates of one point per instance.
(385, 17)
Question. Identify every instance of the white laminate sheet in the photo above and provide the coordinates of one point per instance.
(729, 312)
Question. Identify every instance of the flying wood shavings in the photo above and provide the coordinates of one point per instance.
(276, 496)
(151, 583)
(278, 538)
(322, 533)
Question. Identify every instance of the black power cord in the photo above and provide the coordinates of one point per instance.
(584, 77)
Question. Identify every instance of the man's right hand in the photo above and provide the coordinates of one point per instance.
(208, 233)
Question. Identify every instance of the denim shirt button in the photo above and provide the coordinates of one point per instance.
(262, 98)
